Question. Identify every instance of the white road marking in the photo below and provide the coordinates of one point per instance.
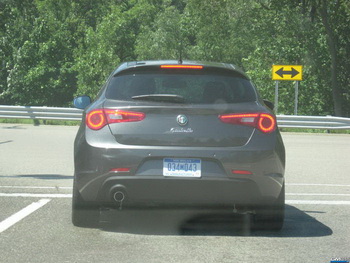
(70, 195)
(335, 185)
(316, 202)
(35, 195)
(10, 221)
(35, 187)
(316, 194)
(69, 187)
(291, 202)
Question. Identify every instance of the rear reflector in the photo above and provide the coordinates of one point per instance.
(120, 170)
(97, 119)
(263, 121)
(182, 66)
(242, 172)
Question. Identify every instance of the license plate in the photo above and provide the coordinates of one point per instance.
(182, 167)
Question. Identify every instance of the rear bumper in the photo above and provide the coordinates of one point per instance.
(216, 190)
(145, 184)
(180, 192)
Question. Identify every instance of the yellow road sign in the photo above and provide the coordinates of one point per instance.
(287, 72)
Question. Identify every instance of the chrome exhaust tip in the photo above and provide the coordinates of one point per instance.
(119, 196)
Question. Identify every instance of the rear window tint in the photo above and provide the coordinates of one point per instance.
(193, 87)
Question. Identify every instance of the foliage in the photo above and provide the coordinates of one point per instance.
(52, 50)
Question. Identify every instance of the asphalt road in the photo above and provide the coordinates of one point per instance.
(36, 170)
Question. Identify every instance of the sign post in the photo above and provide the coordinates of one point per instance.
(291, 73)
(296, 98)
(276, 97)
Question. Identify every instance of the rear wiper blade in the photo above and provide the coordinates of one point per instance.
(161, 97)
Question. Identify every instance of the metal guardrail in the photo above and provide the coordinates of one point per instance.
(40, 113)
(313, 122)
(72, 114)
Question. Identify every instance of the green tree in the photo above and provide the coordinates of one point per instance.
(111, 42)
(330, 47)
(163, 39)
(335, 19)
(53, 49)
(285, 37)
(16, 19)
(39, 40)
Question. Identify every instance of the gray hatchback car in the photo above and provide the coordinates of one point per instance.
(178, 134)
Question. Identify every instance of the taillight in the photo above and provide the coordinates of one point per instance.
(263, 121)
(97, 119)
(266, 123)
(116, 116)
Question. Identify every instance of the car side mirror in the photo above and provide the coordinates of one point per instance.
(269, 104)
(82, 102)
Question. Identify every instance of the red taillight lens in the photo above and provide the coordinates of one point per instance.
(99, 118)
(116, 116)
(263, 121)
(266, 123)
(248, 119)
(96, 119)
(182, 66)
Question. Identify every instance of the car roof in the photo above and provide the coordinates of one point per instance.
(157, 63)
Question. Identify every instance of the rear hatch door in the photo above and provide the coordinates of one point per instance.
(181, 107)
(180, 125)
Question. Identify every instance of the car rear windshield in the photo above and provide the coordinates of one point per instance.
(193, 88)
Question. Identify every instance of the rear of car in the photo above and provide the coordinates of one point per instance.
(165, 134)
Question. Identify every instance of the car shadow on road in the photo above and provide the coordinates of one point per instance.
(169, 222)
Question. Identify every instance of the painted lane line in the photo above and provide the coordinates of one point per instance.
(335, 185)
(70, 195)
(316, 194)
(15, 218)
(35, 187)
(290, 202)
(36, 195)
(316, 202)
(69, 187)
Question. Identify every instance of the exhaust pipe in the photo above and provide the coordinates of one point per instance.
(119, 197)
(118, 194)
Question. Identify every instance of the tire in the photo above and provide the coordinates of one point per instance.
(83, 215)
(271, 217)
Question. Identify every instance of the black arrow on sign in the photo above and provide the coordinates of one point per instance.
(293, 72)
